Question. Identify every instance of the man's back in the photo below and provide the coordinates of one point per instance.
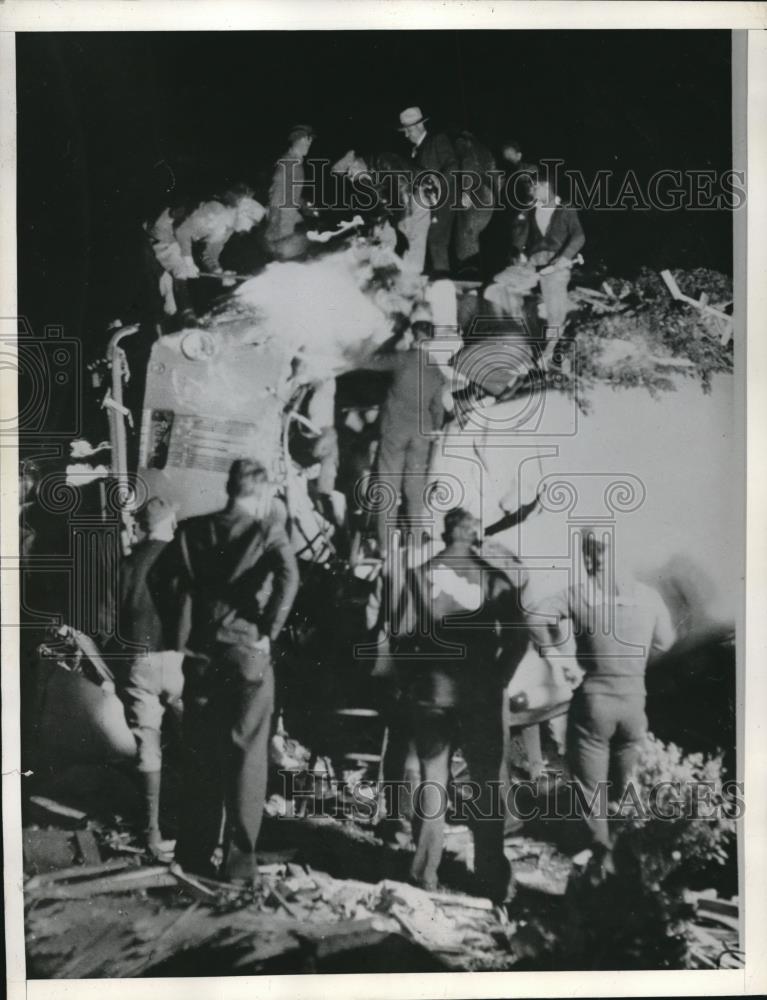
(414, 398)
(225, 562)
(615, 634)
(464, 622)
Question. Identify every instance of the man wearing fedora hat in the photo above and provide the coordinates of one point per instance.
(435, 160)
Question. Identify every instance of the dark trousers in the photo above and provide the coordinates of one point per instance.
(228, 702)
(403, 464)
(603, 737)
(478, 730)
(438, 243)
(471, 223)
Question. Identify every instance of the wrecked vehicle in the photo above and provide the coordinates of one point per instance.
(258, 376)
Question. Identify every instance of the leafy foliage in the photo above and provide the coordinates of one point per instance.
(639, 918)
(686, 822)
(648, 338)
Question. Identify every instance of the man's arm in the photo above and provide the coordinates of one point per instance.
(664, 634)
(445, 154)
(520, 229)
(285, 585)
(185, 236)
(171, 587)
(551, 640)
(548, 635)
(575, 235)
(404, 614)
(383, 362)
(511, 621)
(211, 254)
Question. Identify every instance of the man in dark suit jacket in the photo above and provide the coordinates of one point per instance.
(412, 410)
(235, 577)
(549, 236)
(433, 153)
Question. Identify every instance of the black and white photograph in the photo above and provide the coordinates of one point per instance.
(379, 547)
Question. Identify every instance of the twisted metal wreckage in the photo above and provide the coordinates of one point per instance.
(259, 376)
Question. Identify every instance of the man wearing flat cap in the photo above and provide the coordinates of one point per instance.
(236, 578)
(435, 161)
(286, 231)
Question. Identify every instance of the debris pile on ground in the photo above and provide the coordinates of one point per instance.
(538, 866)
(151, 915)
(286, 753)
(635, 332)
(714, 931)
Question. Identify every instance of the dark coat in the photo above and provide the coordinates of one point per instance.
(447, 662)
(413, 403)
(436, 153)
(139, 620)
(217, 571)
(563, 238)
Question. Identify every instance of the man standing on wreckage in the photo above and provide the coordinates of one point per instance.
(619, 625)
(236, 578)
(459, 633)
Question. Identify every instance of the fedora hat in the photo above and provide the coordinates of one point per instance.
(411, 116)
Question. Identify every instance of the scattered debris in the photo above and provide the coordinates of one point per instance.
(538, 866)
(77, 872)
(139, 879)
(285, 753)
(333, 915)
(722, 320)
(47, 850)
(714, 931)
(56, 812)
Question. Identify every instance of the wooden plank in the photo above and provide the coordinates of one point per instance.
(51, 806)
(141, 878)
(84, 890)
(192, 883)
(88, 847)
(79, 872)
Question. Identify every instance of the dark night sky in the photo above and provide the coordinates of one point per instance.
(106, 120)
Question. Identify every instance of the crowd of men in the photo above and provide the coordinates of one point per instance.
(209, 599)
(437, 201)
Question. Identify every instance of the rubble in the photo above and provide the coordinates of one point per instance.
(538, 866)
(655, 327)
(294, 906)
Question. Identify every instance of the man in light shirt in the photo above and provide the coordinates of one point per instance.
(207, 229)
(618, 625)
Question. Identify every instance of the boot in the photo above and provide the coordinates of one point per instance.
(156, 846)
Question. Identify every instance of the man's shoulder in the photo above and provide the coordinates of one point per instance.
(646, 595)
(274, 525)
(145, 552)
(196, 526)
(197, 520)
(436, 141)
(566, 211)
